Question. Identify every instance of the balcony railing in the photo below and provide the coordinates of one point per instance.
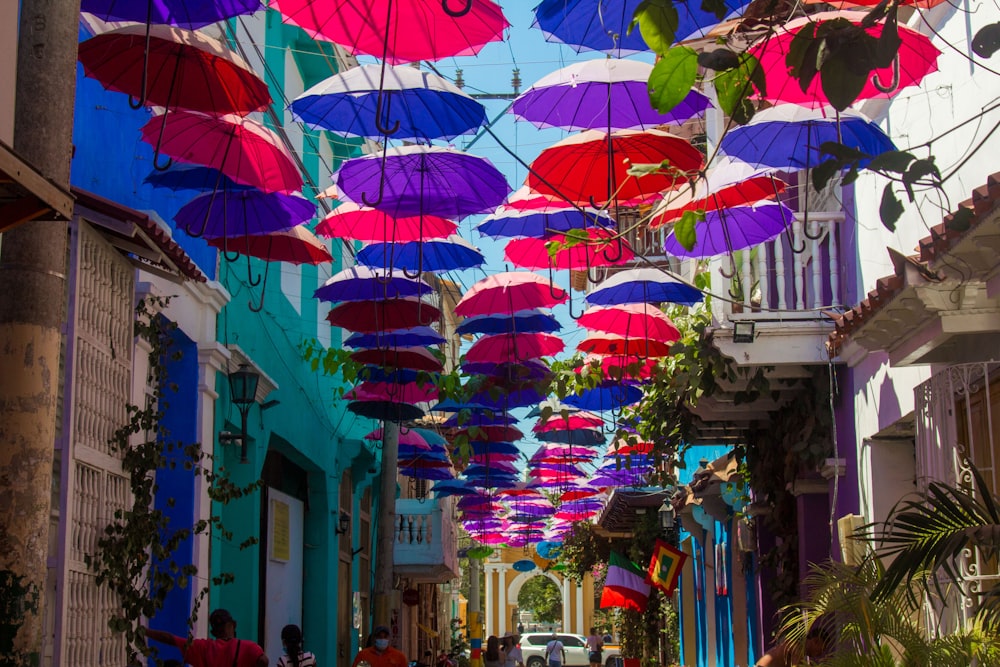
(426, 542)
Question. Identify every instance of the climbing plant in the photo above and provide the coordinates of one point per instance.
(135, 558)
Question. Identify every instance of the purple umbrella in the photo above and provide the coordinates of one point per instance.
(598, 94)
(727, 230)
(480, 419)
(181, 13)
(361, 283)
(427, 473)
(242, 212)
(537, 223)
(423, 180)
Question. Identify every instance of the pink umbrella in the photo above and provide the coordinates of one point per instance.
(623, 367)
(399, 31)
(576, 515)
(368, 225)
(407, 437)
(388, 391)
(619, 345)
(604, 248)
(508, 293)
(581, 419)
(634, 320)
(242, 149)
(296, 246)
(491, 538)
(518, 347)
(487, 459)
(522, 492)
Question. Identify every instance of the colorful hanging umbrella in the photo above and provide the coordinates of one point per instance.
(430, 473)
(391, 411)
(387, 391)
(632, 321)
(399, 32)
(533, 370)
(361, 283)
(491, 433)
(184, 69)
(789, 136)
(240, 213)
(592, 167)
(191, 177)
(518, 347)
(183, 13)
(400, 338)
(916, 58)
(368, 225)
(242, 149)
(508, 222)
(580, 419)
(408, 437)
(580, 490)
(480, 419)
(413, 358)
(617, 345)
(509, 292)
(728, 230)
(605, 94)
(450, 254)
(494, 448)
(585, 437)
(369, 101)
(623, 367)
(452, 488)
(643, 286)
(372, 316)
(606, 397)
(623, 447)
(522, 321)
(603, 249)
(421, 180)
(296, 246)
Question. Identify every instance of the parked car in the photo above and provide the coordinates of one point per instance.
(533, 649)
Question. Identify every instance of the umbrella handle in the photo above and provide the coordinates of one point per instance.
(263, 286)
(379, 112)
(893, 83)
(381, 182)
(456, 13)
(250, 279)
(420, 264)
(140, 101)
(732, 269)
(552, 284)
(621, 251)
(805, 231)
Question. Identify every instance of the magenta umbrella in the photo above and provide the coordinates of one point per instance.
(368, 225)
(516, 347)
(580, 419)
(508, 293)
(632, 320)
(410, 392)
(603, 248)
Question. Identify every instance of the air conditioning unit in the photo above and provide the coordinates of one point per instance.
(852, 550)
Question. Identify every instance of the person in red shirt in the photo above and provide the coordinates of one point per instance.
(380, 654)
(223, 651)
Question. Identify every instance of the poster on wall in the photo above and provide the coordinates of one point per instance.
(280, 531)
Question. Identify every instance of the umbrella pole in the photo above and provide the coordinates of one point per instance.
(141, 101)
(163, 126)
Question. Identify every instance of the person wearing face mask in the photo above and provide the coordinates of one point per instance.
(380, 654)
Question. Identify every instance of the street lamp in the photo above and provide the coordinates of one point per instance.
(343, 523)
(242, 394)
(668, 518)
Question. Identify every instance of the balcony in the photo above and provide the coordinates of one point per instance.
(426, 542)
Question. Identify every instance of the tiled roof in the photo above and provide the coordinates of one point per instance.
(932, 248)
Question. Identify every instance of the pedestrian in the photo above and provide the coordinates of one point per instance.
(291, 640)
(594, 647)
(223, 651)
(555, 652)
(493, 656)
(380, 654)
(512, 650)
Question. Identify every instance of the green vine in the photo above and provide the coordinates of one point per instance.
(135, 557)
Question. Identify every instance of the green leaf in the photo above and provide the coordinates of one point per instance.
(718, 7)
(822, 173)
(657, 21)
(918, 170)
(961, 219)
(802, 59)
(684, 229)
(987, 41)
(892, 161)
(841, 83)
(841, 151)
(672, 78)
(887, 46)
(890, 209)
(734, 87)
(643, 169)
(719, 59)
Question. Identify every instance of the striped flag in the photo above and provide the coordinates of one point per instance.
(625, 585)
(665, 567)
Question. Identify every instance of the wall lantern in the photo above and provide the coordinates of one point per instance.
(343, 523)
(242, 394)
(743, 331)
(667, 517)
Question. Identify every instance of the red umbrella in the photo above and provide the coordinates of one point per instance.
(492, 434)
(581, 419)
(399, 31)
(368, 225)
(184, 70)
(581, 170)
(621, 447)
(917, 57)
(508, 293)
(604, 249)
(296, 246)
(242, 149)
(382, 316)
(517, 347)
(412, 358)
(633, 320)
(639, 347)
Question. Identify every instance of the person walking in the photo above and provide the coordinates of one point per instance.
(223, 651)
(555, 652)
(493, 656)
(291, 640)
(595, 644)
(380, 654)
(512, 652)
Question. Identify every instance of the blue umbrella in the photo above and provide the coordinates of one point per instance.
(182, 13)
(643, 286)
(431, 437)
(361, 283)
(789, 136)
(192, 177)
(455, 487)
(242, 212)
(401, 338)
(368, 102)
(584, 437)
(427, 473)
(523, 321)
(450, 254)
(508, 223)
(480, 419)
(529, 369)
(411, 452)
(607, 396)
(494, 448)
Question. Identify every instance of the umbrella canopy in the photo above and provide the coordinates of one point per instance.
(603, 249)
(296, 246)
(450, 254)
(191, 177)
(413, 358)
(452, 488)
(420, 180)
(789, 136)
(391, 411)
(624, 367)
(728, 230)
(361, 283)
(183, 70)
(916, 58)
(493, 457)
(369, 225)
(509, 222)
(372, 316)
(514, 348)
(606, 397)
(605, 94)
(398, 32)
(643, 286)
(407, 437)
(631, 321)
(480, 419)
(241, 213)
(617, 345)
(492, 433)
(623, 447)
(586, 437)
(509, 292)
(522, 321)
(399, 338)
(366, 101)
(183, 13)
(533, 370)
(242, 149)
(427, 472)
(579, 419)
(388, 391)
(563, 453)
(593, 166)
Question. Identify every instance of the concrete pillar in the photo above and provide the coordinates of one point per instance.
(566, 604)
(501, 597)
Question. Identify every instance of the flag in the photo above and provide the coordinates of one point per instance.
(624, 585)
(665, 567)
